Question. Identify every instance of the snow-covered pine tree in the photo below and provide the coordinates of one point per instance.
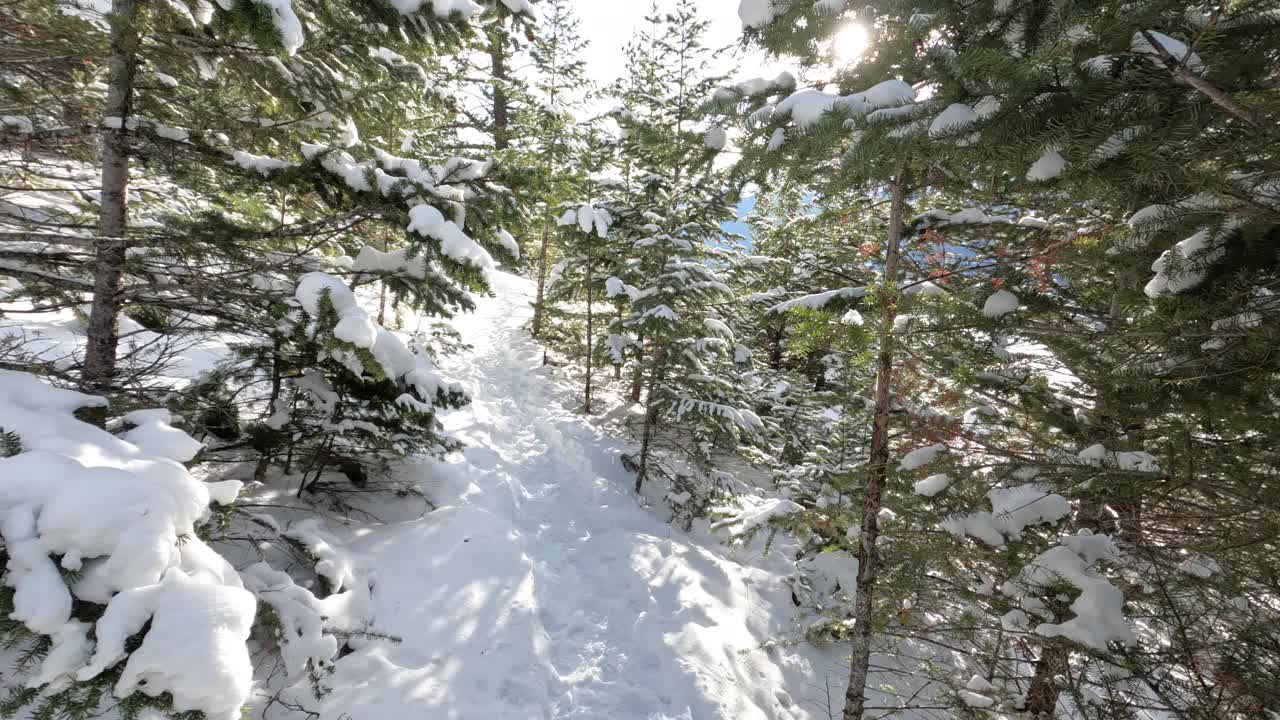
(1137, 91)
(682, 352)
(557, 133)
(577, 297)
(241, 215)
(1030, 114)
(805, 356)
(272, 89)
(887, 173)
(1148, 102)
(243, 219)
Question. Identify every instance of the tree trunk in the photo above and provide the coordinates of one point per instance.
(590, 338)
(1042, 698)
(650, 420)
(113, 220)
(617, 366)
(637, 381)
(877, 469)
(273, 401)
(775, 346)
(538, 299)
(498, 60)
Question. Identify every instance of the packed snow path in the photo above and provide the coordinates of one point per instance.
(541, 588)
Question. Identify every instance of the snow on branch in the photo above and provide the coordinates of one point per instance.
(123, 518)
(817, 301)
(1013, 509)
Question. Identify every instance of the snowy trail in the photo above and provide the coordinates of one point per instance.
(541, 588)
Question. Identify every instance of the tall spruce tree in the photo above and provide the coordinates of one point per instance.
(1041, 109)
(244, 219)
(578, 295)
(668, 213)
(558, 134)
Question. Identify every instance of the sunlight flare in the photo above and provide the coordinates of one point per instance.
(850, 43)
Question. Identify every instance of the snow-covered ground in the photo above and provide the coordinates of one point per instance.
(542, 588)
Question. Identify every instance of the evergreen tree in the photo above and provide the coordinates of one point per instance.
(559, 137)
(669, 214)
(244, 226)
(1026, 113)
(579, 286)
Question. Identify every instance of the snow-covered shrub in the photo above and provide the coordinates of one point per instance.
(353, 396)
(110, 586)
(107, 583)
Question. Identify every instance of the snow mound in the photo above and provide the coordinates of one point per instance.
(155, 436)
(195, 649)
(428, 222)
(806, 107)
(817, 301)
(1049, 166)
(755, 13)
(954, 118)
(1099, 608)
(933, 485)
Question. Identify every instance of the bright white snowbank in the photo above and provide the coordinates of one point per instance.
(1001, 302)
